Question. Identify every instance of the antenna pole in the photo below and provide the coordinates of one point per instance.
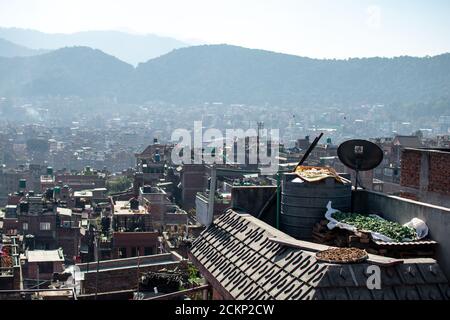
(308, 152)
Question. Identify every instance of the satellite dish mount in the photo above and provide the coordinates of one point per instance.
(360, 155)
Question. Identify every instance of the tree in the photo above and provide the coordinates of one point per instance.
(119, 184)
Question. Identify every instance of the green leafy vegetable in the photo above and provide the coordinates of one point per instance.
(393, 230)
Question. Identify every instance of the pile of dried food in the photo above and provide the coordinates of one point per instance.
(393, 230)
(314, 174)
(342, 255)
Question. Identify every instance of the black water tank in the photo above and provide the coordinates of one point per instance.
(304, 204)
(24, 207)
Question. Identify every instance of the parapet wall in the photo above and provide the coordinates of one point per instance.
(403, 210)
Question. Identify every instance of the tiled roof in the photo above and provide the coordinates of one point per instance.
(408, 141)
(237, 253)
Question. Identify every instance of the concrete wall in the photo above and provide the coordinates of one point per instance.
(122, 274)
(403, 210)
(252, 199)
(201, 209)
(119, 279)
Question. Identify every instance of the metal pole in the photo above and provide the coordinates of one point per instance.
(309, 150)
(98, 267)
(212, 195)
(138, 265)
(37, 264)
(278, 199)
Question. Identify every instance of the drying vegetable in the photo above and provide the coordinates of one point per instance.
(393, 230)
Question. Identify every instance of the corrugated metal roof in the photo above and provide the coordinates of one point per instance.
(407, 244)
(236, 253)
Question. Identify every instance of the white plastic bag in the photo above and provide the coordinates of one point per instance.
(420, 226)
(333, 222)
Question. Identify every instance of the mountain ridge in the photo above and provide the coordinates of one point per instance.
(132, 48)
(236, 74)
(9, 49)
(230, 74)
(77, 71)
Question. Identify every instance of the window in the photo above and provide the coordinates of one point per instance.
(148, 251)
(44, 226)
(25, 226)
(122, 252)
(134, 252)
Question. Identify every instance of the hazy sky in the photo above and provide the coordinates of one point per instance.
(315, 28)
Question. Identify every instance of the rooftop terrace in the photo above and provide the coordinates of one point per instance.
(244, 258)
(123, 208)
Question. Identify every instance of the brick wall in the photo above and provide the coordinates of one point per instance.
(137, 240)
(69, 239)
(439, 174)
(410, 176)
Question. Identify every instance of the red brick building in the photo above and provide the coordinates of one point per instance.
(41, 264)
(426, 173)
(132, 244)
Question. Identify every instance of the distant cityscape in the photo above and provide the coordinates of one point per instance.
(56, 133)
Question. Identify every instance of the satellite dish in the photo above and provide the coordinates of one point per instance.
(360, 155)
